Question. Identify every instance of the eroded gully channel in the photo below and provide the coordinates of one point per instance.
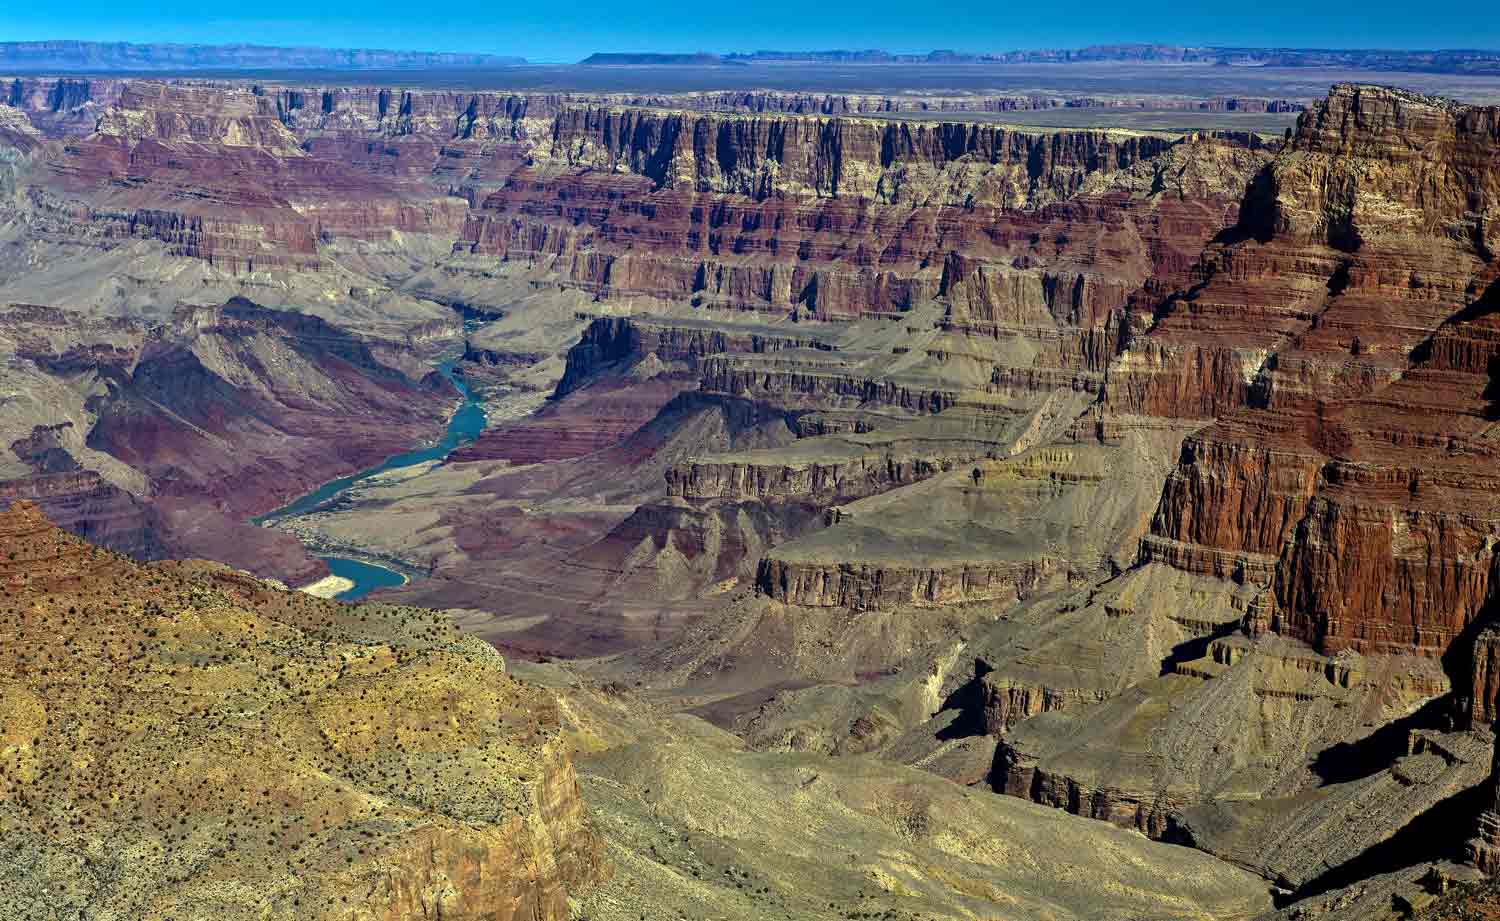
(463, 427)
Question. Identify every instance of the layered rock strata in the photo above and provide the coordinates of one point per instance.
(1347, 469)
(151, 456)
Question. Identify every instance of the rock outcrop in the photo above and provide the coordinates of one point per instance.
(874, 585)
(1350, 453)
(889, 162)
(1337, 510)
(272, 201)
(781, 213)
(184, 714)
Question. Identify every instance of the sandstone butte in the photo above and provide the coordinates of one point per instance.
(1150, 478)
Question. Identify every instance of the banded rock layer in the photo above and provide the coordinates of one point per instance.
(1350, 458)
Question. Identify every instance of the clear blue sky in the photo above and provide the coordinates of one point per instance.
(569, 29)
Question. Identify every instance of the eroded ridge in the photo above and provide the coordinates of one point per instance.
(181, 735)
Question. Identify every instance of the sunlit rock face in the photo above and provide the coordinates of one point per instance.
(1349, 358)
(186, 712)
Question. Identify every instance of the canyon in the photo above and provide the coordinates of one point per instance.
(1107, 492)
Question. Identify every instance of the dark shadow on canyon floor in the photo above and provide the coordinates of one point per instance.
(968, 700)
(1430, 836)
(1372, 754)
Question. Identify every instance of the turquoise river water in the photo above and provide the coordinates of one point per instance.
(465, 425)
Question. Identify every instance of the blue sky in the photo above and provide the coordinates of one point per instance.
(569, 29)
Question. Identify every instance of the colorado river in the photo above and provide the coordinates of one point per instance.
(464, 426)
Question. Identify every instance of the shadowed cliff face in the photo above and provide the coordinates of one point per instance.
(847, 218)
(762, 157)
(218, 379)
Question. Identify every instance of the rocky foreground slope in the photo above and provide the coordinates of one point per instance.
(181, 740)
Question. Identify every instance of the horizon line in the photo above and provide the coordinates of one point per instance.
(750, 53)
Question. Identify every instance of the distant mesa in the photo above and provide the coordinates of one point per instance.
(29, 57)
(652, 59)
(1458, 61)
(100, 57)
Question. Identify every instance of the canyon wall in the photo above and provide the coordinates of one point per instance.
(1351, 447)
(1334, 510)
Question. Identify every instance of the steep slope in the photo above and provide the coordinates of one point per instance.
(838, 218)
(181, 740)
(1349, 465)
(216, 175)
(1327, 541)
(160, 440)
(699, 826)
